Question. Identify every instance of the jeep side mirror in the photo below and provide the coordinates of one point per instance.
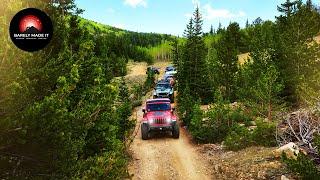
(143, 110)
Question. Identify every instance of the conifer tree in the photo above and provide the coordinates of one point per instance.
(192, 77)
(227, 61)
(287, 7)
(295, 51)
(189, 31)
(309, 4)
(211, 30)
(194, 66)
(247, 24)
(220, 29)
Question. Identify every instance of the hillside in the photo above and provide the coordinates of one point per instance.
(129, 44)
(135, 38)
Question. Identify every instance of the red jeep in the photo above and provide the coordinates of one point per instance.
(159, 116)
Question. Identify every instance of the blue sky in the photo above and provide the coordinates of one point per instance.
(171, 16)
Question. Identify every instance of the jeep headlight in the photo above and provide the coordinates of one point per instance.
(168, 120)
(151, 121)
(154, 93)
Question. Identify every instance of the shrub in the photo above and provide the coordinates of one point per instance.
(149, 83)
(212, 126)
(137, 91)
(219, 122)
(239, 116)
(215, 125)
(196, 128)
(111, 165)
(264, 134)
(136, 103)
(305, 167)
(238, 138)
(185, 106)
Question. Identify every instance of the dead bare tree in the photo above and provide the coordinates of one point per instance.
(299, 127)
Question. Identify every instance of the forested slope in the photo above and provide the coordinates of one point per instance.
(63, 115)
(131, 45)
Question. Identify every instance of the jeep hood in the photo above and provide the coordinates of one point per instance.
(158, 114)
(163, 90)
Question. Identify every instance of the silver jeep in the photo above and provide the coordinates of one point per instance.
(163, 89)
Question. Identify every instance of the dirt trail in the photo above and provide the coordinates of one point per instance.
(163, 157)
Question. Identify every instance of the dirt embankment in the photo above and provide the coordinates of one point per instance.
(137, 72)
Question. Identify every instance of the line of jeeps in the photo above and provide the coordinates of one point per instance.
(158, 114)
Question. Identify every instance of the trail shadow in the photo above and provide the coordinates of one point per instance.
(160, 135)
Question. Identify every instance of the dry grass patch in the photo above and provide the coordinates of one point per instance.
(243, 58)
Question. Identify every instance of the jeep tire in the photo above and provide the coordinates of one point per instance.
(144, 131)
(175, 131)
(171, 97)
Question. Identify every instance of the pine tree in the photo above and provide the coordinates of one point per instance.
(309, 4)
(199, 81)
(175, 50)
(247, 24)
(294, 49)
(227, 60)
(189, 31)
(287, 7)
(193, 66)
(257, 21)
(184, 70)
(211, 30)
(198, 22)
(260, 83)
(219, 30)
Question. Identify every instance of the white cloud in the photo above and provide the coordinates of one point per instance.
(210, 13)
(136, 3)
(242, 14)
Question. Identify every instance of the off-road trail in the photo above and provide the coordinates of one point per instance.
(163, 157)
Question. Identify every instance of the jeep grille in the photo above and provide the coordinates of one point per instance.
(163, 94)
(160, 121)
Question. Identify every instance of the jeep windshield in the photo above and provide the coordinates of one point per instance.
(163, 86)
(158, 107)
